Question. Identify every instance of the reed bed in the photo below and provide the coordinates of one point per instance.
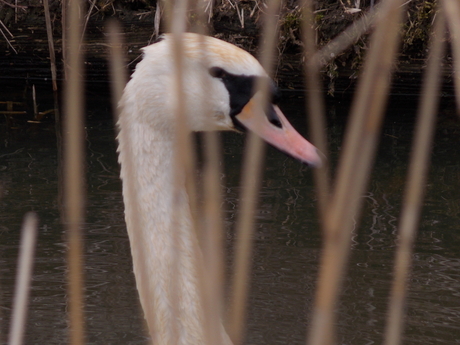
(339, 198)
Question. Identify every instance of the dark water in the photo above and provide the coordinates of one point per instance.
(288, 239)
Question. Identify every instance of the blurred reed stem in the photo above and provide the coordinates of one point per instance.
(64, 36)
(415, 185)
(212, 234)
(213, 237)
(184, 157)
(252, 169)
(74, 172)
(23, 277)
(452, 11)
(118, 75)
(49, 31)
(315, 109)
(251, 177)
(347, 37)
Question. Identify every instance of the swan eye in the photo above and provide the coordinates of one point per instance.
(217, 72)
(240, 88)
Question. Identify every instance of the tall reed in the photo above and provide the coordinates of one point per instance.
(74, 195)
(415, 186)
(354, 169)
(251, 177)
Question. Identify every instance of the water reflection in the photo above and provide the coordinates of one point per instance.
(287, 248)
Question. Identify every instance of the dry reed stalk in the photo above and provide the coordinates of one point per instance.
(49, 31)
(118, 73)
(452, 10)
(184, 157)
(23, 278)
(185, 153)
(213, 239)
(252, 170)
(317, 119)
(118, 81)
(34, 101)
(354, 169)
(6, 29)
(156, 22)
(74, 172)
(88, 15)
(182, 153)
(64, 36)
(6, 38)
(416, 179)
(251, 177)
(213, 229)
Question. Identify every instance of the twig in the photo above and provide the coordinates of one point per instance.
(240, 15)
(64, 37)
(16, 6)
(49, 32)
(231, 4)
(6, 38)
(209, 9)
(34, 99)
(8, 31)
(88, 15)
(156, 22)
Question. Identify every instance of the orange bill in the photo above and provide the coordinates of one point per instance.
(284, 138)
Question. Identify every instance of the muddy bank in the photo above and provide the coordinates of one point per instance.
(25, 55)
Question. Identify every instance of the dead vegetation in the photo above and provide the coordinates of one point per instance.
(239, 22)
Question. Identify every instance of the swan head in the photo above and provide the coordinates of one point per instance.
(219, 92)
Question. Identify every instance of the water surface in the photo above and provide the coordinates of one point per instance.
(287, 239)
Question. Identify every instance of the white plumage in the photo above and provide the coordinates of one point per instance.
(146, 143)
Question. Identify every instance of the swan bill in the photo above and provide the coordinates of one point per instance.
(284, 137)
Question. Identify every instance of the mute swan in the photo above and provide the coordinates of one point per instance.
(148, 120)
